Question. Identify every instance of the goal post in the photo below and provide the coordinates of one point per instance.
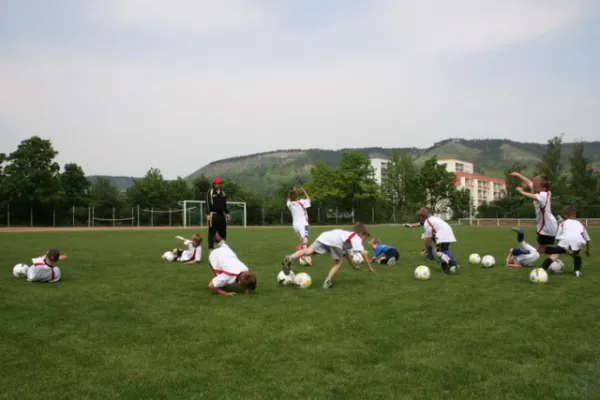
(194, 213)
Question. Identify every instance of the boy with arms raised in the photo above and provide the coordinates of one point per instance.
(439, 232)
(547, 226)
(300, 222)
(229, 270)
(338, 243)
(571, 237)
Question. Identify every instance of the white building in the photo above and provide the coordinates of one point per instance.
(380, 167)
(453, 165)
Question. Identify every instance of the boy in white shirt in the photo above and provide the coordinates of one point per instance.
(571, 237)
(193, 254)
(338, 243)
(44, 268)
(547, 226)
(523, 256)
(300, 222)
(439, 232)
(229, 270)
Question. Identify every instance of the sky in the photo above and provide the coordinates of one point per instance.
(121, 86)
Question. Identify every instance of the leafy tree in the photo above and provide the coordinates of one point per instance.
(3, 193)
(178, 190)
(74, 185)
(324, 186)
(200, 186)
(401, 185)
(551, 166)
(31, 175)
(104, 194)
(582, 185)
(438, 185)
(460, 203)
(152, 191)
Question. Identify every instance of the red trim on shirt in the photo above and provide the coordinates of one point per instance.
(349, 240)
(543, 212)
(220, 271)
(38, 264)
(433, 231)
(304, 209)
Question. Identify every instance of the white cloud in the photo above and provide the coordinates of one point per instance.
(184, 16)
(444, 27)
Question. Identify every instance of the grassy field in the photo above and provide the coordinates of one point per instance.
(124, 325)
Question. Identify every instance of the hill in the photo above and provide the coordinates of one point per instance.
(265, 172)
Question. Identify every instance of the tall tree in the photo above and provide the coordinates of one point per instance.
(200, 186)
(74, 185)
(401, 185)
(152, 191)
(582, 183)
(324, 186)
(31, 174)
(3, 192)
(178, 190)
(438, 185)
(460, 203)
(551, 166)
(103, 193)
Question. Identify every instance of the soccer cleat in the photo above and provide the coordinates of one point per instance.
(520, 234)
(286, 265)
(578, 274)
(391, 261)
(452, 269)
(327, 284)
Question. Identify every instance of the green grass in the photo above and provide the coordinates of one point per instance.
(124, 325)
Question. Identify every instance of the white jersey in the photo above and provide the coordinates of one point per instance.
(546, 221)
(572, 234)
(226, 266)
(298, 210)
(42, 272)
(527, 260)
(192, 253)
(341, 239)
(439, 230)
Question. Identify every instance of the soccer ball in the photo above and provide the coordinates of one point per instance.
(538, 275)
(168, 256)
(488, 261)
(474, 258)
(303, 280)
(357, 258)
(20, 270)
(557, 267)
(285, 280)
(305, 260)
(422, 273)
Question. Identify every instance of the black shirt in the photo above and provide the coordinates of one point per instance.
(216, 202)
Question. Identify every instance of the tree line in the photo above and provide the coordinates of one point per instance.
(30, 178)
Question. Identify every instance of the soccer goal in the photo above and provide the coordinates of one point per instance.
(194, 213)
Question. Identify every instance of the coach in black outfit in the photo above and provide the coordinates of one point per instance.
(217, 214)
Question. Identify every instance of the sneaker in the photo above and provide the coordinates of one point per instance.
(286, 265)
(391, 261)
(578, 274)
(520, 234)
(327, 284)
(452, 269)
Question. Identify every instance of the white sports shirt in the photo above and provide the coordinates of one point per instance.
(438, 229)
(341, 239)
(298, 210)
(527, 260)
(192, 253)
(572, 234)
(546, 222)
(226, 266)
(42, 272)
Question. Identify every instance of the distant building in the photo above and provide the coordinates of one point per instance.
(453, 165)
(380, 167)
(484, 189)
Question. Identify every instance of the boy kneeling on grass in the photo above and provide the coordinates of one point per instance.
(383, 253)
(229, 270)
(338, 243)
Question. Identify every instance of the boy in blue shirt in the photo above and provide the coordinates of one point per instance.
(384, 254)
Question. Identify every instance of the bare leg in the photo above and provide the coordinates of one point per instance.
(328, 284)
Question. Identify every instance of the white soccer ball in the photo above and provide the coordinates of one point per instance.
(168, 256)
(286, 280)
(305, 260)
(557, 267)
(474, 258)
(357, 258)
(303, 280)
(538, 275)
(422, 273)
(488, 261)
(20, 270)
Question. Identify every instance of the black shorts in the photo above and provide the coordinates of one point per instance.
(544, 240)
(444, 246)
(391, 253)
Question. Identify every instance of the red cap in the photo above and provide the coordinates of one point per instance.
(217, 181)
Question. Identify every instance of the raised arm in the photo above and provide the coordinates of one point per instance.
(305, 194)
(527, 194)
(521, 177)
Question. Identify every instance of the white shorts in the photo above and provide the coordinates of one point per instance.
(43, 274)
(301, 230)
